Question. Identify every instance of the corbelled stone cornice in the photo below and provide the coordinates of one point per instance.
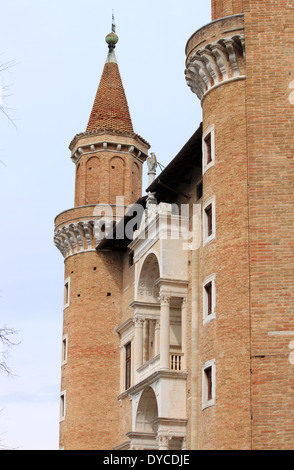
(82, 236)
(216, 63)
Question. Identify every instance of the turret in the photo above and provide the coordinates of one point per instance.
(108, 157)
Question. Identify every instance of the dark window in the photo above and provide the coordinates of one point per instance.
(128, 366)
(66, 293)
(208, 290)
(208, 212)
(64, 349)
(207, 141)
(208, 376)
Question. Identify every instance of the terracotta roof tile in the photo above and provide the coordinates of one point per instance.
(110, 109)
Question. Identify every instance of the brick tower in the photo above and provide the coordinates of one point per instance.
(108, 159)
(239, 67)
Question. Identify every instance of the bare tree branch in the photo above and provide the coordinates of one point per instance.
(5, 344)
(5, 67)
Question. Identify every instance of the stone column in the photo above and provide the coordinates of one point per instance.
(157, 337)
(164, 331)
(184, 331)
(163, 442)
(145, 341)
(138, 345)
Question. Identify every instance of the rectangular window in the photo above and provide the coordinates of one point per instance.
(208, 292)
(66, 289)
(64, 350)
(207, 141)
(208, 380)
(208, 384)
(66, 296)
(208, 212)
(208, 149)
(62, 405)
(209, 298)
(128, 351)
(209, 220)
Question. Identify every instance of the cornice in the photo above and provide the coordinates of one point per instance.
(102, 132)
(216, 63)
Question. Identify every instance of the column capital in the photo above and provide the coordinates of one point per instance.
(139, 322)
(184, 302)
(164, 299)
(163, 441)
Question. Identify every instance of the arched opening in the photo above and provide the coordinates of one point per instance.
(147, 412)
(148, 290)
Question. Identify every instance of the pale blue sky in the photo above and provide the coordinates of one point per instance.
(59, 50)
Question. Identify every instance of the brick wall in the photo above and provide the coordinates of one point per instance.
(91, 373)
(269, 30)
(227, 338)
(102, 176)
(222, 8)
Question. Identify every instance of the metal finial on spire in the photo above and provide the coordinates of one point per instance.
(113, 26)
(112, 37)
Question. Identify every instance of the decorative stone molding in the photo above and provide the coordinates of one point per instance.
(138, 322)
(216, 63)
(165, 299)
(76, 237)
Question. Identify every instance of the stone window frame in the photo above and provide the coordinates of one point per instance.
(207, 317)
(206, 400)
(208, 132)
(62, 406)
(208, 238)
(64, 349)
(66, 296)
(128, 365)
(126, 333)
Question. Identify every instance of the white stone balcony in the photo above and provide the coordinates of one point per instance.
(148, 368)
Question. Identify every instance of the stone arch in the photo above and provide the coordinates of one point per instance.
(147, 290)
(147, 411)
(116, 178)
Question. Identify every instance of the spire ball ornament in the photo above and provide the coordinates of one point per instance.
(112, 40)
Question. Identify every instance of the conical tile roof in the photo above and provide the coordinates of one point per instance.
(110, 109)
